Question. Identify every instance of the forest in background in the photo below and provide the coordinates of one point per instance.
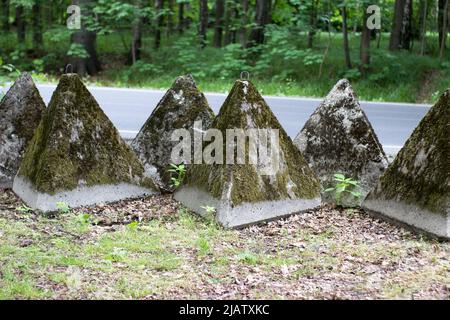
(289, 47)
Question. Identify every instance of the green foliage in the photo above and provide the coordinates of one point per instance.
(281, 52)
(132, 226)
(178, 172)
(24, 209)
(62, 207)
(352, 74)
(203, 246)
(233, 62)
(185, 53)
(248, 258)
(24, 3)
(344, 186)
(282, 65)
(209, 210)
(140, 71)
(77, 50)
(84, 218)
(112, 15)
(56, 35)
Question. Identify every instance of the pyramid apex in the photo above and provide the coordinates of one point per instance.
(342, 84)
(185, 80)
(25, 76)
(70, 76)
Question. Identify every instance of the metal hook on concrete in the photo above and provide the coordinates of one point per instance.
(69, 66)
(245, 75)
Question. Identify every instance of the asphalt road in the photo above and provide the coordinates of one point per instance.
(129, 108)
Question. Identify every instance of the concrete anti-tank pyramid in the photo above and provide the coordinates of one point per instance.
(415, 189)
(20, 112)
(243, 194)
(77, 155)
(338, 138)
(182, 105)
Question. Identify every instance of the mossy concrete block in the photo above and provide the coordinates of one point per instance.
(338, 138)
(181, 106)
(77, 153)
(20, 113)
(239, 192)
(415, 189)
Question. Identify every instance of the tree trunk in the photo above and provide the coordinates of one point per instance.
(244, 21)
(48, 13)
(170, 17)
(312, 23)
(136, 42)
(407, 25)
(348, 61)
(423, 25)
(5, 15)
(180, 26)
(218, 28)
(230, 17)
(444, 30)
(401, 32)
(203, 22)
(188, 19)
(263, 17)
(159, 6)
(20, 24)
(37, 26)
(365, 43)
(87, 39)
(442, 4)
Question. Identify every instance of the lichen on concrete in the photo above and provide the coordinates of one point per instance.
(241, 185)
(76, 145)
(181, 106)
(20, 113)
(338, 138)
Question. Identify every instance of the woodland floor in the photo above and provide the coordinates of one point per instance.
(154, 249)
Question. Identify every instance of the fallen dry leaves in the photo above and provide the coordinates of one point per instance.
(320, 254)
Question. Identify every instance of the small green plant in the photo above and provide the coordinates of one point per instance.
(84, 218)
(132, 226)
(62, 207)
(248, 258)
(24, 209)
(209, 210)
(178, 172)
(203, 246)
(210, 215)
(344, 186)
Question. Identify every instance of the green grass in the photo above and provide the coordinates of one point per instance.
(70, 256)
(396, 77)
